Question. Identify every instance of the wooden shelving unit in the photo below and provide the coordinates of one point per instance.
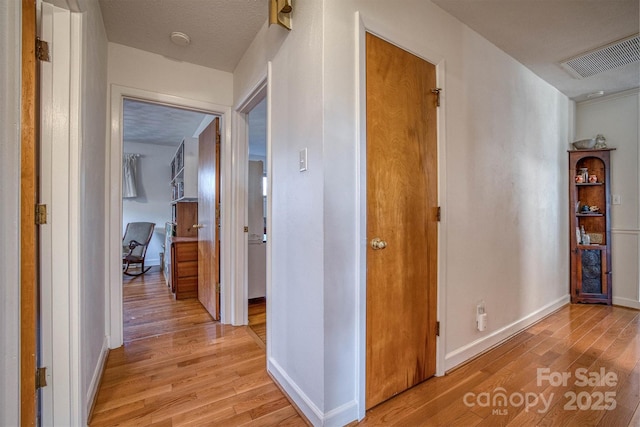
(590, 280)
(184, 171)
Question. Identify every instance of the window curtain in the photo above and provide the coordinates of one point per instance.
(129, 167)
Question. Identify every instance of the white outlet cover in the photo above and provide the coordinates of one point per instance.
(303, 160)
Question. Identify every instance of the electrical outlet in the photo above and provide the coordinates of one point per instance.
(482, 322)
(481, 317)
(615, 199)
(302, 162)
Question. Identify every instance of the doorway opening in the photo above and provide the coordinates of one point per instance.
(156, 190)
(119, 95)
(257, 182)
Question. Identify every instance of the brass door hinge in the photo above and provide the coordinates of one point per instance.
(439, 214)
(42, 50)
(437, 91)
(41, 214)
(218, 287)
(437, 329)
(41, 377)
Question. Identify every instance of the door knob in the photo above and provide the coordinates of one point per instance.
(377, 243)
(196, 226)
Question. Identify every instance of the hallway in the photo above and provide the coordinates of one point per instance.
(179, 367)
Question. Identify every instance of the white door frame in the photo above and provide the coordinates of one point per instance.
(60, 261)
(240, 178)
(113, 203)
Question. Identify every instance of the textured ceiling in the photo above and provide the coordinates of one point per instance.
(150, 123)
(220, 30)
(538, 33)
(158, 124)
(542, 33)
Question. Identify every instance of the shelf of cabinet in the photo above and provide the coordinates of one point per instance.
(588, 184)
(589, 214)
(593, 246)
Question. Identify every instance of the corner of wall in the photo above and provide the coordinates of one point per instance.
(313, 414)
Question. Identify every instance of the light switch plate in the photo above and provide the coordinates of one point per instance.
(303, 160)
(615, 199)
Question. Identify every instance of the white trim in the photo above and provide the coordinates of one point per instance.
(363, 25)
(626, 302)
(10, 57)
(75, 186)
(633, 231)
(61, 144)
(269, 209)
(302, 401)
(339, 416)
(361, 218)
(114, 200)
(239, 196)
(473, 349)
(342, 415)
(606, 98)
(45, 230)
(92, 392)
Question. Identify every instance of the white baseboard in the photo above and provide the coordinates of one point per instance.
(342, 415)
(151, 262)
(92, 392)
(308, 408)
(464, 353)
(337, 417)
(626, 302)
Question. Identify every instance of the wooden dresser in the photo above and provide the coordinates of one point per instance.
(184, 267)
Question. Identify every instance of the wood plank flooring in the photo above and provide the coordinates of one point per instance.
(591, 337)
(258, 318)
(178, 367)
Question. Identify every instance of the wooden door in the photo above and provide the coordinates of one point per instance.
(28, 232)
(209, 218)
(401, 212)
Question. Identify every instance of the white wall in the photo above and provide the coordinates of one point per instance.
(92, 201)
(153, 203)
(144, 75)
(295, 302)
(617, 117)
(297, 231)
(10, 30)
(504, 136)
(148, 71)
(138, 69)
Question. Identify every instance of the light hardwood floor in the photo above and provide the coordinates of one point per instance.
(178, 367)
(591, 337)
(258, 318)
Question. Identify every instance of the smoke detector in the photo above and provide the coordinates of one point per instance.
(181, 39)
(605, 58)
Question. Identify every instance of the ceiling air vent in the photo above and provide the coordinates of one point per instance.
(605, 58)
